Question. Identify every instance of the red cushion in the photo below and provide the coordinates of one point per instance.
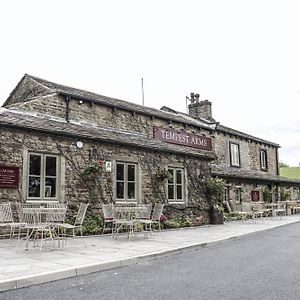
(109, 218)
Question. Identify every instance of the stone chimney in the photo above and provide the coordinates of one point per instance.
(200, 109)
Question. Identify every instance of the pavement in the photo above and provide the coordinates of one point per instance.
(22, 268)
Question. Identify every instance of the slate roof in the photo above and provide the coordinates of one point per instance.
(239, 173)
(165, 113)
(117, 103)
(234, 132)
(53, 125)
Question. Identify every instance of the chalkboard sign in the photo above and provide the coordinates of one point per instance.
(9, 177)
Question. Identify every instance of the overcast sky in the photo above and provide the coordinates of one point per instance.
(243, 56)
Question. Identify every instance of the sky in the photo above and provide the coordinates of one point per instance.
(243, 56)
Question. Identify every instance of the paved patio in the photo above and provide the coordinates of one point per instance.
(23, 268)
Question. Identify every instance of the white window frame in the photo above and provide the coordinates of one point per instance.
(263, 160)
(238, 195)
(226, 194)
(42, 177)
(126, 199)
(235, 160)
(175, 184)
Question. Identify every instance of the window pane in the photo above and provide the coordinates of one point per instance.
(35, 165)
(234, 154)
(120, 172)
(50, 166)
(131, 190)
(34, 186)
(170, 191)
(171, 179)
(178, 176)
(179, 192)
(120, 190)
(131, 173)
(50, 187)
(263, 159)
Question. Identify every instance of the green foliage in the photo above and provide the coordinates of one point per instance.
(93, 225)
(214, 191)
(283, 165)
(285, 195)
(267, 195)
(94, 169)
(163, 175)
(180, 222)
(292, 172)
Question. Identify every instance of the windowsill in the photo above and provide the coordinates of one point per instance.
(264, 170)
(41, 201)
(171, 202)
(125, 201)
(235, 166)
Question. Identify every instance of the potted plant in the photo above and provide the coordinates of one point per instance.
(214, 190)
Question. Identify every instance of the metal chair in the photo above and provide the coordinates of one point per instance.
(145, 217)
(126, 217)
(108, 216)
(7, 220)
(280, 210)
(35, 220)
(77, 224)
(156, 214)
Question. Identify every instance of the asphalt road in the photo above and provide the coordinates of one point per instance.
(260, 266)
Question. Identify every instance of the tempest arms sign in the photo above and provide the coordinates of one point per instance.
(182, 138)
(9, 177)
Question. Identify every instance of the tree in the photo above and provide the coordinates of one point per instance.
(283, 165)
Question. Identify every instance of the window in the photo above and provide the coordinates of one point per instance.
(42, 176)
(175, 185)
(234, 155)
(238, 195)
(226, 194)
(126, 181)
(263, 160)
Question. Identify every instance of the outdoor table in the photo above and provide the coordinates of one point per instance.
(41, 223)
(272, 206)
(290, 207)
(127, 216)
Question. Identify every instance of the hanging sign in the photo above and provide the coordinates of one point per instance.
(182, 138)
(9, 176)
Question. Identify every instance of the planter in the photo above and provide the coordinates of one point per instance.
(216, 217)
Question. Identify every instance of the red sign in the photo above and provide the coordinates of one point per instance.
(9, 177)
(182, 138)
(255, 196)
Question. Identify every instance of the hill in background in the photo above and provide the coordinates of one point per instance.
(291, 172)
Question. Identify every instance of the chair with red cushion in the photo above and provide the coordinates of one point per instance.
(108, 216)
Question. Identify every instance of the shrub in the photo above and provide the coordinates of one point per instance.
(267, 195)
(93, 225)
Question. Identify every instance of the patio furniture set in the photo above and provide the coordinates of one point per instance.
(131, 218)
(255, 210)
(40, 223)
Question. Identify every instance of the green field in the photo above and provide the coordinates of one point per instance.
(292, 172)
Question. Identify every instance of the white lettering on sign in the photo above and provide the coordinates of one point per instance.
(181, 138)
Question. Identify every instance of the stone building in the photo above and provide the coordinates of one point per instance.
(68, 145)
(249, 165)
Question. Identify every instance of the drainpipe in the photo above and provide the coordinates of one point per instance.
(67, 99)
(277, 162)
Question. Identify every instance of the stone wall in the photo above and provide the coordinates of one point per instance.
(75, 189)
(249, 153)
